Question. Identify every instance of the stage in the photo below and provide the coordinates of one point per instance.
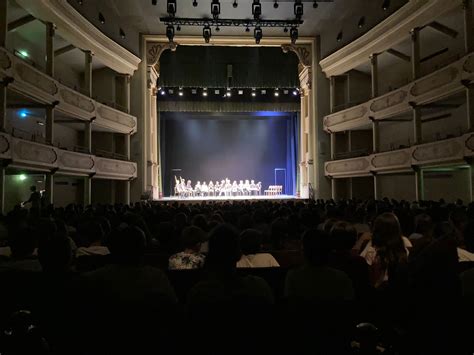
(230, 198)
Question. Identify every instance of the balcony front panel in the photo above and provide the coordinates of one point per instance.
(355, 166)
(74, 162)
(435, 86)
(76, 104)
(34, 155)
(446, 151)
(5, 146)
(115, 169)
(116, 120)
(395, 160)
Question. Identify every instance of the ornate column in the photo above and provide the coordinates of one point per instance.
(306, 139)
(151, 124)
(468, 35)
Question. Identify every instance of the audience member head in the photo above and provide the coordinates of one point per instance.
(94, 232)
(200, 221)
(343, 236)
(424, 225)
(250, 241)
(23, 243)
(316, 247)
(224, 248)
(127, 245)
(387, 239)
(192, 237)
(55, 253)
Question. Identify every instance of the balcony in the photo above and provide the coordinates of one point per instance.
(447, 151)
(440, 84)
(37, 85)
(24, 154)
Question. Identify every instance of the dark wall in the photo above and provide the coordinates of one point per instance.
(235, 146)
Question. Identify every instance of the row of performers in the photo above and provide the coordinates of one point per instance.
(223, 188)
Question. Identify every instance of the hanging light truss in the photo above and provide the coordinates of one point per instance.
(175, 21)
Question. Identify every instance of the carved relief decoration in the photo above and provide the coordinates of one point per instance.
(75, 160)
(77, 100)
(443, 150)
(392, 159)
(347, 166)
(155, 49)
(35, 78)
(387, 101)
(5, 61)
(470, 143)
(4, 144)
(116, 116)
(36, 153)
(468, 65)
(435, 81)
(347, 115)
(110, 166)
(302, 51)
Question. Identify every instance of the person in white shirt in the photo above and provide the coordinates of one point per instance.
(95, 234)
(250, 243)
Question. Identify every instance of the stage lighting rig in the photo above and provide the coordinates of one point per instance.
(170, 32)
(258, 34)
(275, 4)
(256, 9)
(293, 34)
(171, 7)
(195, 3)
(215, 9)
(207, 33)
(299, 9)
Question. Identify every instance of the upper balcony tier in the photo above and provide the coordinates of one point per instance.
(41, 87)
(24, 154)
(435, 86)
(448, 151)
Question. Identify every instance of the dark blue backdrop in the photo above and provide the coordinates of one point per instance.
(238, 146)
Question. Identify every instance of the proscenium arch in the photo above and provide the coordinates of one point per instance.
(307, 50)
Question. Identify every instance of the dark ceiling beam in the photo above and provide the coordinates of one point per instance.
(439, 105)
(436, 118)
(433, 55)
(20, 22)
(399, 54)
(443, 29)
(63, 50)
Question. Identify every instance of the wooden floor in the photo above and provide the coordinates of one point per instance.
(228, 198)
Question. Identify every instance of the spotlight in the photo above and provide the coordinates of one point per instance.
(215, 9)
(275, 4)
(254, 92)
(298, 9)
(247, 29)
(195, 3)
(228, 93)
(22, 177)
(170, 32)
(295, 92)
(258, 34)
(154, 2)
(385, 5)
(178, 28)
(241, 92)
(276, 93)
(171, 91)
(293, 34)
(204, 93)
(285, 30)
(361, 22)
(40, 123)
(101, 18)
(264, 92)
(122, 34)
(180, 93)
(80, 2)
(171, 7)
(163, 92)
(256, 9)
(234, 5)
(315, 4)
(339, 37)
(23, 114)
(285, 92)
(207, 33)
(217, 91)
(193, 91)
(218, 29)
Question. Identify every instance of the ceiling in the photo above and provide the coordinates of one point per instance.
(331, 17)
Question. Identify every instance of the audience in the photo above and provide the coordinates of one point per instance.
(326, 266)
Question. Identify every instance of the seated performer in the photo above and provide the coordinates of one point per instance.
(241, 188)
(211, 188)
(247, 188)
(177, 184)
(223, 187)
(253, 188)
(204, 189)
(259, 188)
(197, 189)
(217, 188)
(235, 188)
(189, 189)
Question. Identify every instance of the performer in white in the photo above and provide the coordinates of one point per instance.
(183, 188)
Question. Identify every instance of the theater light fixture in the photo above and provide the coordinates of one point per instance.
(101, 18)
(195, 3)
(295, 92)
(258, 34)
(217, 91)
(171, 91)
(215, 9)
(339, 37)
(275, 4)
(207, 33)
(385, 5)
(228, 93)
(315, 4)
(204, 92)
(178, 28)
(171, 7)
(254, 92)
(235, 4)
(285, 92)
(293, 34)
(193, 91)
(361, 22)
(122, 34)
(277, 93)
(163, 92)
(299, 9)
(256, 9)
(154, 2)
(170, 32)
(180, 92)
(241, 92)
(264, 92)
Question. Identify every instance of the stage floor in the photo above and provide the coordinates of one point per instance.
(229, 198)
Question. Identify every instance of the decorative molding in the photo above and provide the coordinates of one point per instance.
(391, 159)
(73, 160)
(76, 99)
(348, 166)
(392, 99)
(468, 65)
(34, 152)
(5, 61)
(36, 78)
(302, 51)
(116, 116)
(77, 30)
(434, 81)
(387, 34)
(4, 144)
(346, 115)
(449, 149)
(115, 167)
(154, 50)
(305, 75)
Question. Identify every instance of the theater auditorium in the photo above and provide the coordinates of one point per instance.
(236, 177)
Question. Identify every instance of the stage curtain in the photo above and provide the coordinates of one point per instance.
(212, 106)
(292, 154)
